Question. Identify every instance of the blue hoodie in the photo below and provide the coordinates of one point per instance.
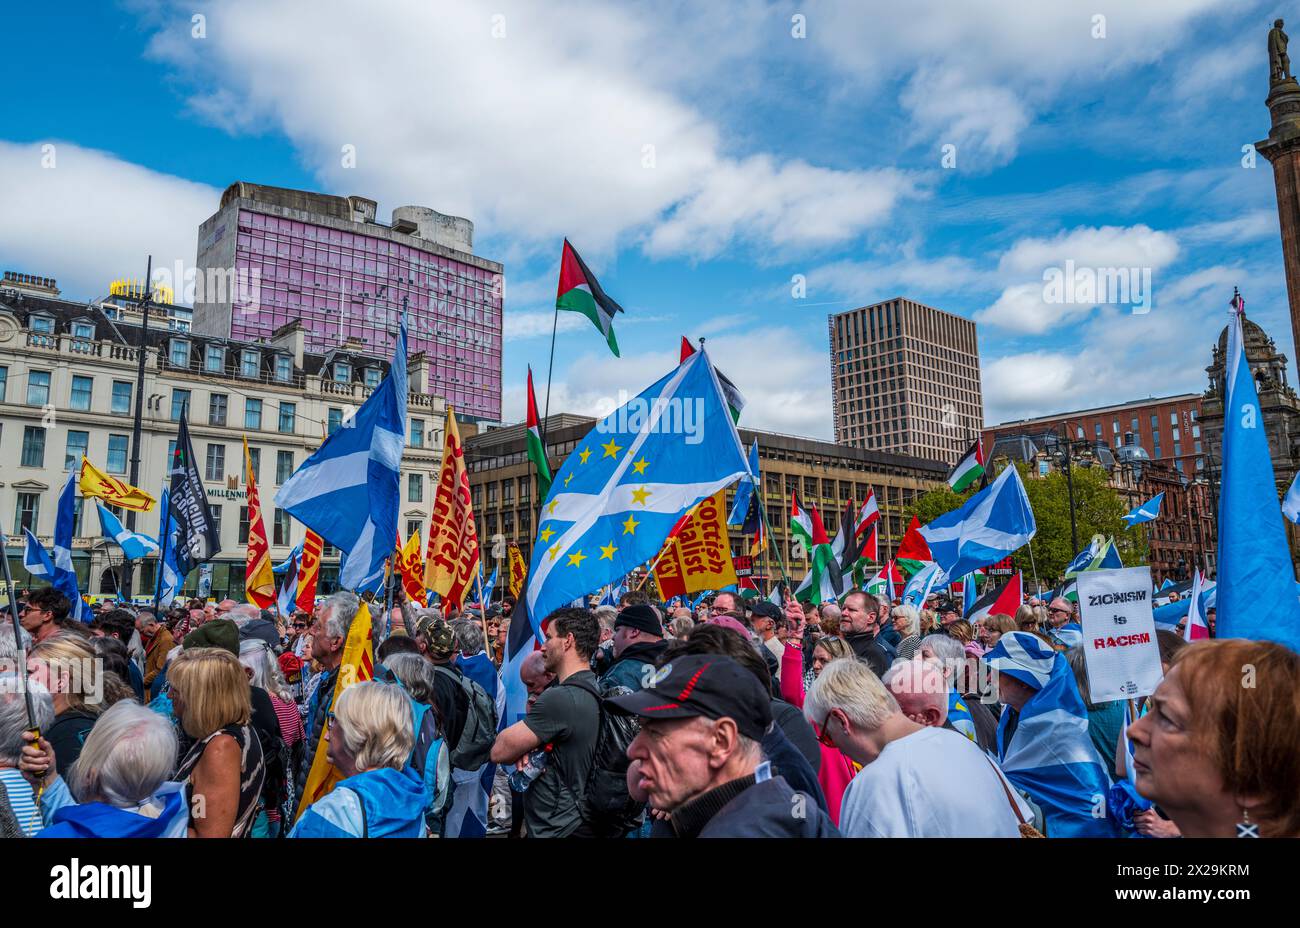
(382, 803)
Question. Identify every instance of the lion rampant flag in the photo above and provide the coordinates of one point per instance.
(357, 667)
(453, 562)
(259, 581)
(518, 571)
(412, 569)
(95, 483)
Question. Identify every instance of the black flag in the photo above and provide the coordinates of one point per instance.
(197, 540)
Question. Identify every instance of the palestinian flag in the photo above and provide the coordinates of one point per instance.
(536, 451)
(868, 515)
(730, 392)
(747, 588)
(800, 522)
(1004, 600)
(885, 582)
(823, 581)
(580, 293)
(913, 551)
(969, 469)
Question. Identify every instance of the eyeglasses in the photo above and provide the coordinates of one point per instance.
(824, 736)
(299, 625)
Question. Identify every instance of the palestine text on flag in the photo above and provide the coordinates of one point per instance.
(579, 292)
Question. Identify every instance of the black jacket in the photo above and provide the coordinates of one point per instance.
(746, 809)
(865, 648)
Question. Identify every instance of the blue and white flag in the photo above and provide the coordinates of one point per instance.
(485, 589)
(1101, 554)
(969, 594)
(1050, 754)
(347, 491)
(612, 594)
(921, 583)
(1167, 584)
(1255, 574)
(63, 576)
(287, 599)
(629, 481)
(1146, 512)
(1291, 504)
(175, 566)
(134, 545)
(745, 489)
(990, 525)
(35, 560)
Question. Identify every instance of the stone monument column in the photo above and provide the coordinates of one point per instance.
(1282, 149)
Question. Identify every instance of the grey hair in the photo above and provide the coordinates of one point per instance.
(469, 635)
(7, 650)
(339, 611)
(416, 675)
(257, 657)
(244, 612)
(852, 687)
(912, 618)
(13, 712)
(830, 611)
(127, 755)
(944, 647)
(605, 615)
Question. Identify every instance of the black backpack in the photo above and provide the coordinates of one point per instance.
(607, 808)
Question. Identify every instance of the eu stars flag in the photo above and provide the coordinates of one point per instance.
(629, 482)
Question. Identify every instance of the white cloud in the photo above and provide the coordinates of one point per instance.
(1107, 246)
(92, 218)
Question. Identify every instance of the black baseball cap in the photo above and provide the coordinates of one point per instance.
(767, 610)
(947, 605)
(708, 685)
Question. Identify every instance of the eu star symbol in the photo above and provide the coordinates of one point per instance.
(576, 559)
(612, 449)
(550, 507)
(629, 527)
(546, 533)
(567, 479)
(554, 552)
(641, 465)
(584, 454)
(639, 495)
(607, 552)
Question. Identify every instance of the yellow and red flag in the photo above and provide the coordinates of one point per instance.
(518, 571)
(308, 571)
(697, 555)
(412, 569)
(357, 667)
(259, 581)
(95, 483)
(453, 562)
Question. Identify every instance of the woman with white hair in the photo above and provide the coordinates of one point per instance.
(907, 622)
(13, 723)
(370, 741)
(119, 786)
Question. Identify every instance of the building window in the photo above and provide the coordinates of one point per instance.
(4, 381)
(180, 404)
(28, 513)
(243, 526)
(117, 454)
(252, 414)
(217, 409)
(256, 455)
(214, 359)
(121, 397)
(372, 377)
(413, 527)
(283, 466)
(283, 367)
(248, 364)
(83, 330)
(78, 444)
(281, 530)
(43, 325)
(215, 469)
(33, 446)
(342, 372)
(216, 522)
(334, 419)
(415, 488)
(38, 388)
(81, 390)
(180, 352)
(288, 414)
(417, 433)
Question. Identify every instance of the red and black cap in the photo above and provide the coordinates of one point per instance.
(710, 685)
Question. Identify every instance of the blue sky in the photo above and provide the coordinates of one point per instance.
(701, 157)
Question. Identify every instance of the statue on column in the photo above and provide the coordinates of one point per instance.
(1278, 60)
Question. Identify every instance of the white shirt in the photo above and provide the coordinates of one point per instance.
(933, 783)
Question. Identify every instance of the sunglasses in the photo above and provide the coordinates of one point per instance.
(1060, 610)
(299, 624)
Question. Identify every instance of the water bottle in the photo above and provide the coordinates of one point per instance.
(521, 779)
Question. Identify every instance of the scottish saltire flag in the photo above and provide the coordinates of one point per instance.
(1146, 512)
(347, 491)
(970, 594)
(921, 583)
(1196, 629)
(63, 576)
(612, 594)
(1254, 567)
(1050, 755)
(1101, 554)
(1168, 582)
(485, 589)
(1291, 504)
(626, 485)
(286, 600)
(745, 489)
(35, 561)
(134, 545)
(990, 525)
(174, 568)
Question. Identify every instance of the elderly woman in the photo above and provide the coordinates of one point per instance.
(907, 622)
(13, 725)
(992, 627)
(118, 788)
(1217, 755)
(370, 742)
(66, 666)
(223, 771)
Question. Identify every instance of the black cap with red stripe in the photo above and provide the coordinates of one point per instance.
(710, 685)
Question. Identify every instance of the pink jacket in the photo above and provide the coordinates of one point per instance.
(836, 770)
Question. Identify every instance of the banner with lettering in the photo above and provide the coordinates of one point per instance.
(1119, 633)
(698, 556)
(453, 558)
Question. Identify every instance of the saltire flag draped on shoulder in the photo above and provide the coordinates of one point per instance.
(536, 450)
(411, 569)
(1004, 600)
(1050, 754)
(735, 401)
(453, 563)
(990, 525)
(133, 544)
(357, 666)
(1146, 512)
(259, 581)
(579, 292)
(197, 541)
(1254, 566)
(628, 483)
(99, 485)
(969, 469)
(347, 491)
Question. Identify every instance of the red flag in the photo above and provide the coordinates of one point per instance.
(308, 571)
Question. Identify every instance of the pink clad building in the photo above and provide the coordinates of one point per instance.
(270, 256)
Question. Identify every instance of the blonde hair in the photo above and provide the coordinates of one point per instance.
(999, 622)
(375, 725)
(962, 631)
(213, 688)
(1026, 618)
(70, 653)
(929, 621)
(852, 687)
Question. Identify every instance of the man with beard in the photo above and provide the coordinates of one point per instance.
(862, 614)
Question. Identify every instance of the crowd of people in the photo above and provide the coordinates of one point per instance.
(740, 718)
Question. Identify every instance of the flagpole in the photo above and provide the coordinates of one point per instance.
(138, 418)
(780, 558)
(18, 631)
(165, 532)
(550, 369)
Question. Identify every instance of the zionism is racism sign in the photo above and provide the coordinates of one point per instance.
(1119, 633)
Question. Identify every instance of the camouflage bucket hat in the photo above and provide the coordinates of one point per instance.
(438, 632)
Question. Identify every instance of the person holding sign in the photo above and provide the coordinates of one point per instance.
(1217, 750)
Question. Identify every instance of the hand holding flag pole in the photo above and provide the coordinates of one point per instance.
(22, 653)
